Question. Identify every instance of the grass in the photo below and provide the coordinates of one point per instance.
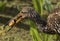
(34, 32)
(2, 5)
(36, 36)
(38, 5)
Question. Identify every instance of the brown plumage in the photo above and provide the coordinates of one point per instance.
(27, 12)
(53, 22)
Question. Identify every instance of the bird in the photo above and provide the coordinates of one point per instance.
(51, 25)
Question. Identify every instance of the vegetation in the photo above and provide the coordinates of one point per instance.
(40, 6)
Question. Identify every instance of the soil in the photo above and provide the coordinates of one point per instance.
(15, 34)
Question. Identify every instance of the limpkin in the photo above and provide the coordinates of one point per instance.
(52, 25)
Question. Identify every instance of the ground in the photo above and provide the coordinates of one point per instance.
(15, 34)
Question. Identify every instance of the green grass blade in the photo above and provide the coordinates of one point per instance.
(38, 5)
(34, 2)
(41, 7)
(48, 6)
(34, 32)
(2, 5)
